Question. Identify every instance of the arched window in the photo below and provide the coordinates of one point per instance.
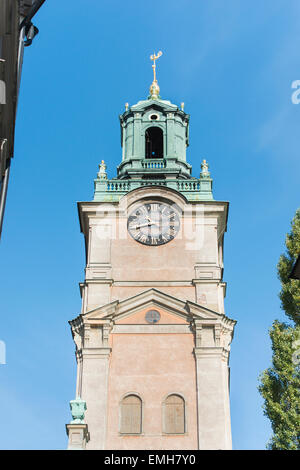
(174, 415)
(154, 143)
(131, 415)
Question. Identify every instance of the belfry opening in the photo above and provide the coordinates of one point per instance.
(154, 143)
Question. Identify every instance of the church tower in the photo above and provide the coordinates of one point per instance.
(152, 339)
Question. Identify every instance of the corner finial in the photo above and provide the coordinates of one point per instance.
(102, 175)
(204, 170)
(78, 408)
(154, 88)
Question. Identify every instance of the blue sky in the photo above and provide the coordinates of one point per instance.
(232, 63)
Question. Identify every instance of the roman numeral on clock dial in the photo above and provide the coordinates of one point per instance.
(153, 223)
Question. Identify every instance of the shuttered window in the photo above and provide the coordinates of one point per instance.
(131, 415)
(174, 415)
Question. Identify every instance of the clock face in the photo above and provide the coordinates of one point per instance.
(153, 223)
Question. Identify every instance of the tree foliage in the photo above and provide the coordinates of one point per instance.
(280, 383)
(290, 288)
(280, 387)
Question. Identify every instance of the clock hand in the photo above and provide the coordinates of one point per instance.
(155, 223)
(152, 222)
(143, 225)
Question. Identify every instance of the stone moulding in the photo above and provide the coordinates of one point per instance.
(196, 317)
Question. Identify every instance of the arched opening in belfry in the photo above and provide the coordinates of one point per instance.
(154, 140)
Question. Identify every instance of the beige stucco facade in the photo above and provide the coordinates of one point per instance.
(185, 353)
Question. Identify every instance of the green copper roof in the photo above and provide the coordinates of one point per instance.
(159, 124)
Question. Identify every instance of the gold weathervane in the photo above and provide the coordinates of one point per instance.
(154, 88)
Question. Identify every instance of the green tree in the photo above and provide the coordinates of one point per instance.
(280, 383)
(290, 288)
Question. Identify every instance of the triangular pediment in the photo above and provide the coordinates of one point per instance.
(154, 104)
(186, 310)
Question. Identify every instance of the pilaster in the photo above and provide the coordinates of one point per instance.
(78, 436)
(138, 142)
(214, 430)
(95, 366)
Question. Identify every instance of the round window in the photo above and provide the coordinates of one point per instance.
(152, 316)
(154, 117)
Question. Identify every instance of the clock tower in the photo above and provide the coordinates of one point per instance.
(152, 339)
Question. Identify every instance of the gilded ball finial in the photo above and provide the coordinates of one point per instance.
(154, 90)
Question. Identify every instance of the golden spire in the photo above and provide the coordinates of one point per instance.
(154, 88)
